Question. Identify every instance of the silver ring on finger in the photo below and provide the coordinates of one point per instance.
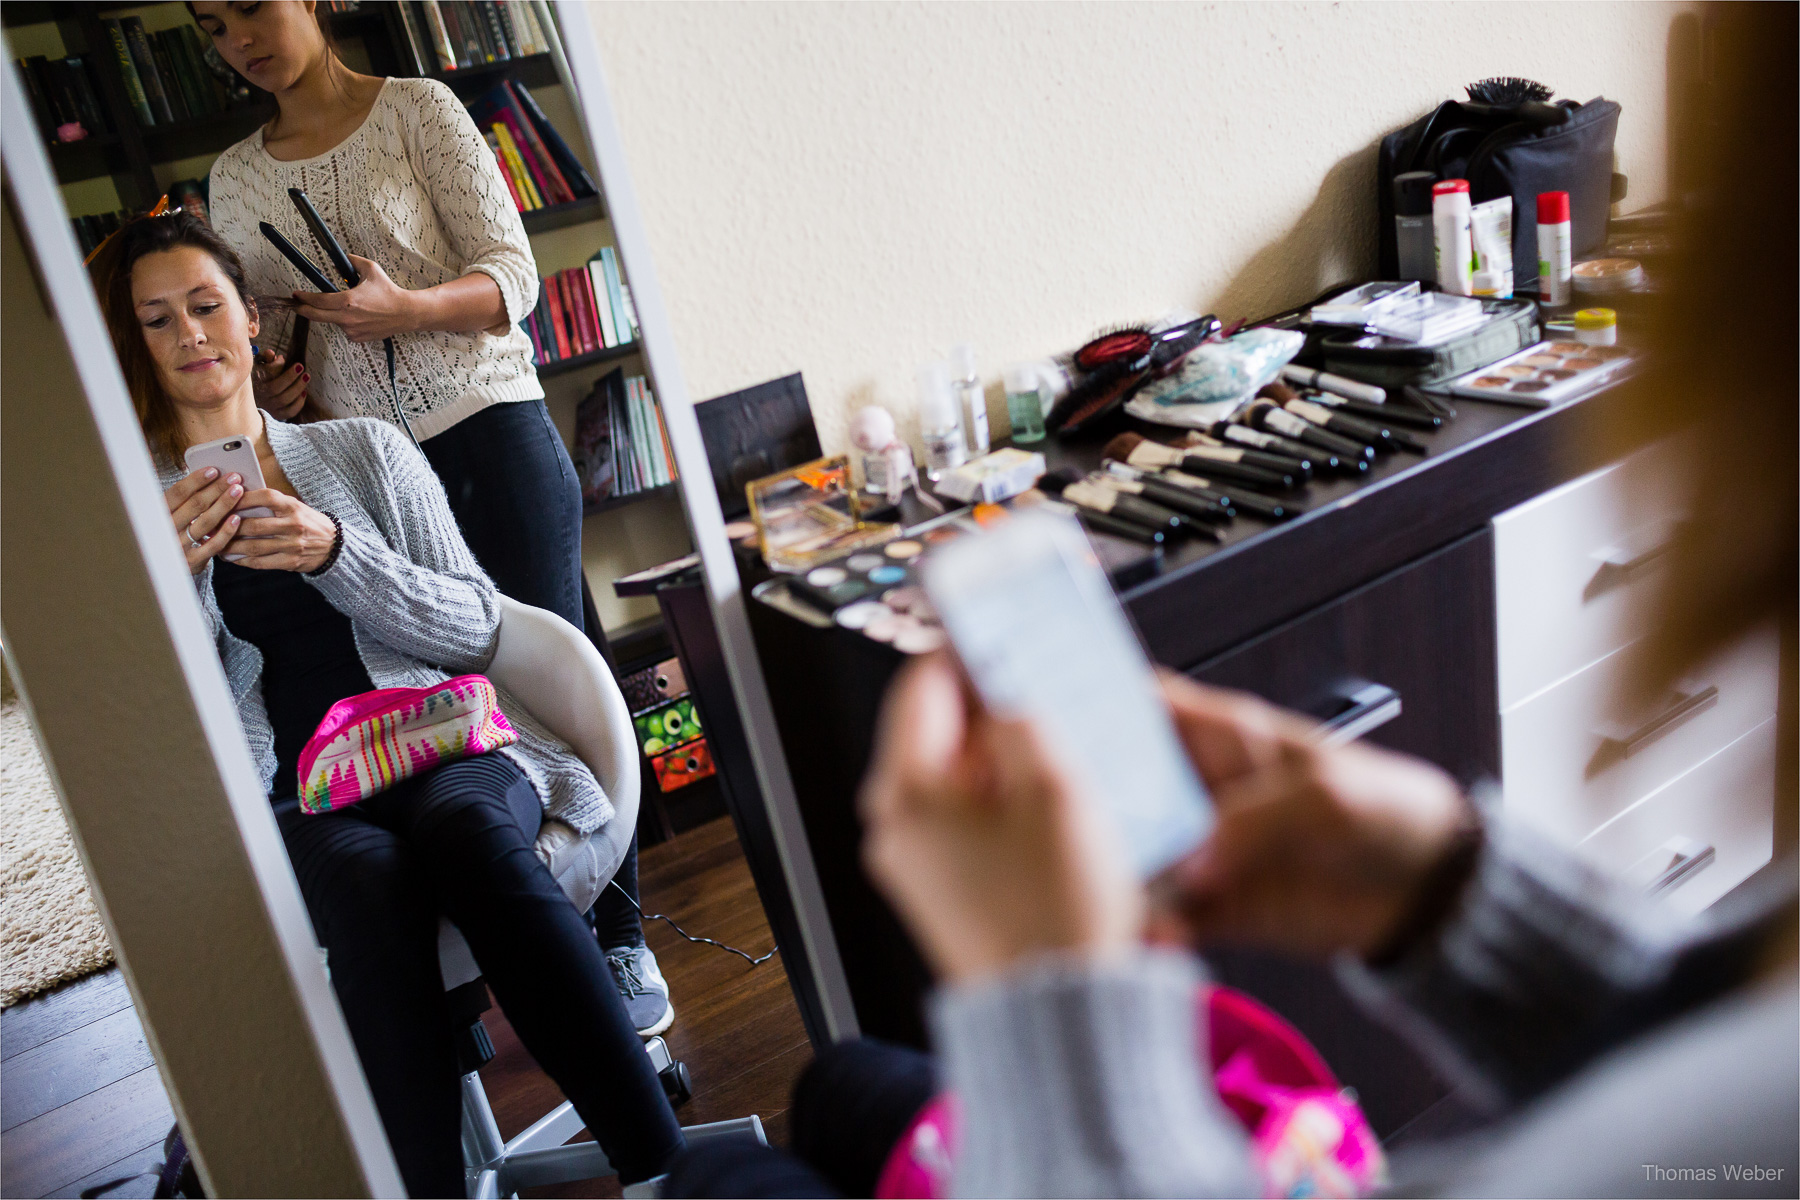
(193, 541)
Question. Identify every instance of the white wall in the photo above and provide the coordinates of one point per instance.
(848, 189)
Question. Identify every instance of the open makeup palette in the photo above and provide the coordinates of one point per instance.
(1545, 374)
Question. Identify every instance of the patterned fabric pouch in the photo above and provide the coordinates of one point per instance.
(368, 743)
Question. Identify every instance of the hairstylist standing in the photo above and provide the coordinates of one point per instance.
(398, 170)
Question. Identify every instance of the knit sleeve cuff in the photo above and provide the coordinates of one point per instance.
(1079, 1077)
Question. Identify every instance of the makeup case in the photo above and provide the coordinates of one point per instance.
(1388, 362)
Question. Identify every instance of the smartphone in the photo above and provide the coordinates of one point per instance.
(231, 454)
(1039, 633)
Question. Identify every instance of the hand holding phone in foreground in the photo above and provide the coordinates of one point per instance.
(980, 842)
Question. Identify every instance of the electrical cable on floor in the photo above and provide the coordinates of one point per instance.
(670, 921)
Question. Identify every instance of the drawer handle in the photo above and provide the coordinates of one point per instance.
(1620, 562)
(1682, 859)
(1616, 747)
(1372, 705)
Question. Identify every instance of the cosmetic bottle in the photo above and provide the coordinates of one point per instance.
(1412, 225)
(1554, 258)
(940, 428)
(1024, 405)
(1452, 238)
(970, 400)
(1597, 327)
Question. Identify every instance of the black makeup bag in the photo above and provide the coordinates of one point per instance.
(1388, 363)
(1507, 140)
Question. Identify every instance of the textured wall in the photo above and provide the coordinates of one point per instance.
(849, 189)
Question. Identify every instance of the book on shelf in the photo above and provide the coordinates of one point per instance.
(190, 196)
(128, 72)
(145, 59)
(62, 97)
(581, 310)
(621, 443)
(579, 180)
(165, 71)
(91, 230)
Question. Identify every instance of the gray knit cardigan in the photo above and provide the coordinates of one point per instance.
(420, 607)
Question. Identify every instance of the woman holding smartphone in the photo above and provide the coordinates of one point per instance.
(398, 170)
(357, 579)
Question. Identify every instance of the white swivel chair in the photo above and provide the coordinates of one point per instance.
(552, 669)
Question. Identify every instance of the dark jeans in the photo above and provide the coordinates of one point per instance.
(455, 841)
(513, 490)
(850, 1108)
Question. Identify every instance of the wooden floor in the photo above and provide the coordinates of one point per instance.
(81, 1101)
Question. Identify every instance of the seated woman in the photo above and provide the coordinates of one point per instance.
(360, 579)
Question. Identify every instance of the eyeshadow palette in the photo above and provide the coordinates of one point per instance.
(1545, 374)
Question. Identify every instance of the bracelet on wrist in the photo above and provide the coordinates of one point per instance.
(337, 547)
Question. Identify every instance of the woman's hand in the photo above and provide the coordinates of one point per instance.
(293, 537)
(1317, 848)
(200, 504)
(280, 388)
(374, 309)
(974, 834)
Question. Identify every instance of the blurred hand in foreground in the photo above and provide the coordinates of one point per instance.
(976, 835)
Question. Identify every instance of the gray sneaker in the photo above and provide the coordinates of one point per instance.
(642, 987)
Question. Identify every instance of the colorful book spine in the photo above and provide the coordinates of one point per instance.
(521, 176)
(499, 48)
(609, 329)
(187, 74)
(505, 106)
(505, 171)
(609, 261)
(584, 302)
(534, 31)
(441, 48)
(553, 288)
(571, 167)
(165, 67)
(662, 428)
(146, 67)
(128, 73)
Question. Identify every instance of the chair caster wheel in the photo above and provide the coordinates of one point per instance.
(676, 1084)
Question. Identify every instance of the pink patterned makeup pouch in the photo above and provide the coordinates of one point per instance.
(369, 742)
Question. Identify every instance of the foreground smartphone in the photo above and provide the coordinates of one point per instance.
(1036, 626)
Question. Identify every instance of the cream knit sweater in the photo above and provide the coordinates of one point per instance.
(417, 190)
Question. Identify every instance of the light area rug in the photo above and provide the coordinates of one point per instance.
(50, 931)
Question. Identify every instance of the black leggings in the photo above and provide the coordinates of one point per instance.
(850, 1107)
(515, 496)
(454, 841)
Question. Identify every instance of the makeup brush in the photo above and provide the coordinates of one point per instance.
(1376, 429)
(1272, 418)
(1380, 414)
(1380, 436)
(1240, 502)
(1300, 466)
(1132, 488)
(1138, 483)
(1075, 489)
(1326, 382)
(1324, 460)
(1140, 451)
(1100, 522)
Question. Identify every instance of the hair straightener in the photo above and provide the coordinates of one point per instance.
(309, 270)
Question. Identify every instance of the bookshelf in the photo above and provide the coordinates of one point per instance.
(141, 161)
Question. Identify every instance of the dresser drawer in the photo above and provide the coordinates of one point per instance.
(1701, 834)
(1572, 568)
(1570, 760)
(1423, 632)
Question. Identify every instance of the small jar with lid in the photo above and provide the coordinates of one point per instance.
(1597, 327)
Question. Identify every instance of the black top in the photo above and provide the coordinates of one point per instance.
(309, 655)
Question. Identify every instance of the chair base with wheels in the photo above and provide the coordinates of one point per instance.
(550, 668)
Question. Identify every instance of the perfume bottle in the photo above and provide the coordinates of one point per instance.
(971, 403)
(940, 425)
